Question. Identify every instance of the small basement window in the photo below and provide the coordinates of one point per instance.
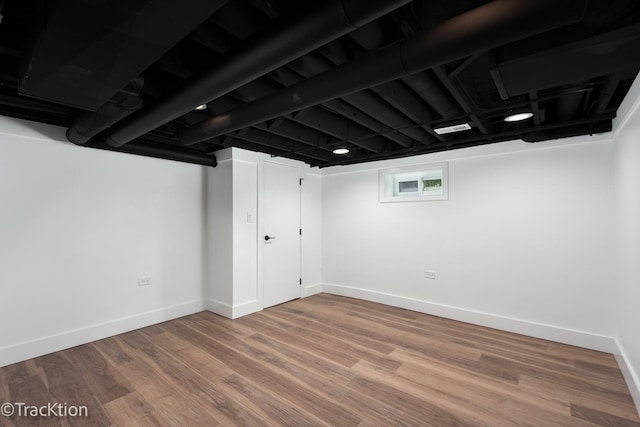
(414, 183)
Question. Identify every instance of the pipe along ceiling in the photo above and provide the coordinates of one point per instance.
(287, 39)
(381, 78)
(488, 26)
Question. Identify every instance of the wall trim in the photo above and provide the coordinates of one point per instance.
(309, 290)
(246, 308)
(630, 376)
(219, 308)
(62, 341)
(232, 311)
(511, 147)
(532, 329)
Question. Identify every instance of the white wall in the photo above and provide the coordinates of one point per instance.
(219, 231)
(523, 243)
(245, 236)
(78, 227)
(235, 193)
(312, 232)
(627, 271)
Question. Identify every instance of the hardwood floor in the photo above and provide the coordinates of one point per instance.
(324, 360)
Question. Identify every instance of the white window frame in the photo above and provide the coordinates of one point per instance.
(390, 179)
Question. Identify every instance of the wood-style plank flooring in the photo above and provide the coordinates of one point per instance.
(323, 360)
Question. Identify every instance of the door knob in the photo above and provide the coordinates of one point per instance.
(267, 238)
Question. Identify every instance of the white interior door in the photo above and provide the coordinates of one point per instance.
(281, 237)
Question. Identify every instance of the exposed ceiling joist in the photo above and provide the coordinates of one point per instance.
(371, 75)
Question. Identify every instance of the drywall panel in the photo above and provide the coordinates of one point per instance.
(524, 237)
(627, 272)
(78, 228)
(219, 232)
(311, 233)
(245, 232)
(235, 203)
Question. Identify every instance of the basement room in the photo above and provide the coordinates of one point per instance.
(342, 213)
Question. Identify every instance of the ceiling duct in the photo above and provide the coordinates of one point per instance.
(289, 38)
(161, 152)
(117, 108)
(431, 93)
(586, 57)
(85, 51)
(575, 130)
(491, 25)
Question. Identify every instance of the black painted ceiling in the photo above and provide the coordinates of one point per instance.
(296, 79)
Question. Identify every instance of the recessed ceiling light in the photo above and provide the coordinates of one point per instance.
(341, 151)
(517, 117)
(201, 107)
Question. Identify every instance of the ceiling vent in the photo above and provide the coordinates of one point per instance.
(452, 129)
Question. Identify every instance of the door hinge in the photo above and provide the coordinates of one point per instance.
(301, 281)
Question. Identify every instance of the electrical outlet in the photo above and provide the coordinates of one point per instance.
(428, 274)
(144, 281)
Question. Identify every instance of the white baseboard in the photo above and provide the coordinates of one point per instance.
(630, 375)
(39, 347)
(217, 307)
(245, 308)
(309, 290)
(232, 311)
(532, 329)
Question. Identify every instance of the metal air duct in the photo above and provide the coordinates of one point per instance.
(161, 152)
(491, 25)
(117, 108)
(289, 38)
